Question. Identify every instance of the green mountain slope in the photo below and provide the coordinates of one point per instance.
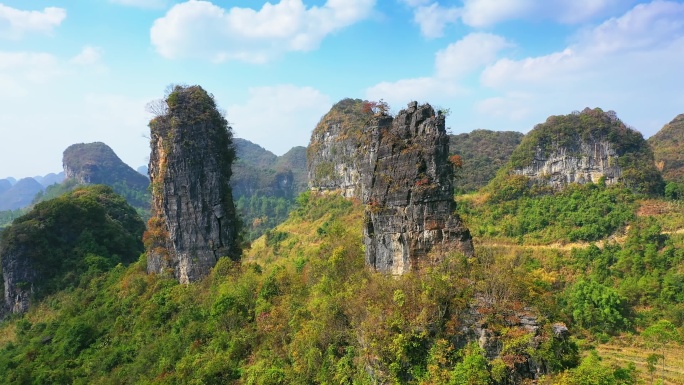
(581, 147)
(668, 149)
(483, 153)
(301, 307)
(265, 185)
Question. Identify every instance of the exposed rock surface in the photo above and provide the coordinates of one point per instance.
(409, 192)
(399, 168)
(584, 162)
(193, 216)
(585, 147)
(338, 151)
(96, 163)
(668, 149)
(484, 324)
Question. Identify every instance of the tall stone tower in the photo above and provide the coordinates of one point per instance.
(193, 219)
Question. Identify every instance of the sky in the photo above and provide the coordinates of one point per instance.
(80, 71)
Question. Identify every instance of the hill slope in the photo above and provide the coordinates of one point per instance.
(585, 147)
(483, 153)
(96, 163)
(668, 149)
(265, 185)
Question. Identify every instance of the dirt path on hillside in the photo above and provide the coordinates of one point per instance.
(563, 246)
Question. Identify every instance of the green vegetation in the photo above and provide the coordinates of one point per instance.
(349, 117)
(483, 152)
(668, 149)
(293, 312)
(265, 186)
(578, 213)
(87, 230)
(599, 268)
(261, 213)
(635, 158)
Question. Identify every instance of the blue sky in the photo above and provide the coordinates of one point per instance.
(74, 71)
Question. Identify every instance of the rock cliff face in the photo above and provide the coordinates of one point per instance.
(96, 163)
(583, 162)
(18, 278)
(338, 151)
(584, 147)
(409, 192)
(193, 216)
(399, 168)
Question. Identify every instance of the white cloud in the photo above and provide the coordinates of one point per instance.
(278, 117)
(19, 71)
(420, 89)
(433, 18)
(611, 66)
(200, 29)
(147, 4)
(88, 56)
(452, 64)
(473, 51)
(651, 29)
(14, 23)
(645, 27)
(479, 13)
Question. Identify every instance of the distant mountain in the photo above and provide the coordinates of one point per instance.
(20, 195)
(483, 153)
(50, 179)
(96, 163)
(258, 171)
(668, 149)
(264, 185)
(4, 185)
(142, 170)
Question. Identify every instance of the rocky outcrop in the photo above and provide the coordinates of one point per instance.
(513, 335)
(338, 151)
(584, 162)
(18, 278)
(409, 191)
(586, 147)
(96, 163)
(399, 168)
(193, 216)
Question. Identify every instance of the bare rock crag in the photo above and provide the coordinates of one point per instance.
(193, 216)
(399, 167)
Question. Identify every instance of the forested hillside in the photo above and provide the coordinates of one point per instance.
(482, 153)
(265, 185)
(668, 148)
(302, 307)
